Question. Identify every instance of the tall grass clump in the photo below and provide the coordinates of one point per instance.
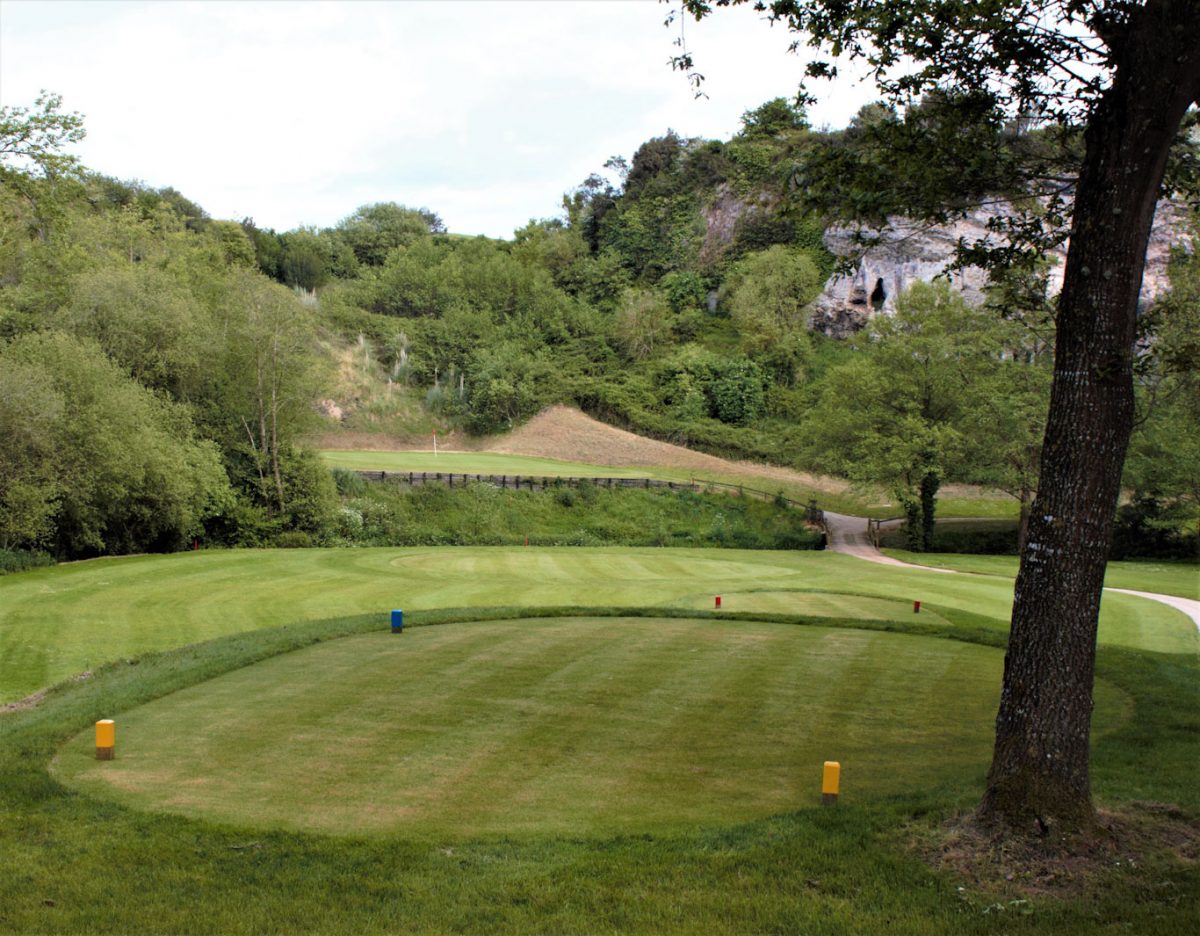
(583, 515)
(19, 560)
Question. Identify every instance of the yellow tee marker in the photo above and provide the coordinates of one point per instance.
(830, 780)
(106, 739)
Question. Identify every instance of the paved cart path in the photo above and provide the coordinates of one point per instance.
(849, 535)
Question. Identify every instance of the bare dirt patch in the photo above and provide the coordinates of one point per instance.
(1065, 867)
(31, 701)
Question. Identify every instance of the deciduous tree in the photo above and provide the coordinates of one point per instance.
(1123, 75)
(902, 411)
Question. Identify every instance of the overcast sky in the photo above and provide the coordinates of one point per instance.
(297, 113)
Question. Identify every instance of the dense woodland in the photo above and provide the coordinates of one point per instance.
(160, 369)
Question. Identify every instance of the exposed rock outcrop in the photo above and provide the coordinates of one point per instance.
(725, 216)
(908, 252)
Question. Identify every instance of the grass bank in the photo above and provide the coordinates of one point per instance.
(830, 494)
(394, 514)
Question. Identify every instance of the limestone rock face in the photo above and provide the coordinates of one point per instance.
(908, 252)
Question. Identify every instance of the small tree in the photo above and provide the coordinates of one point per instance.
(32, 158)
(643, 322)
(769, 293)
(900, 412)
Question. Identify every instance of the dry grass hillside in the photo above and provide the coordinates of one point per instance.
(565, 433)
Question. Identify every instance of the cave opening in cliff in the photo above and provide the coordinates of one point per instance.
(878, 295)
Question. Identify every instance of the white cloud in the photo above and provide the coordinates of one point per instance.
(296, 113)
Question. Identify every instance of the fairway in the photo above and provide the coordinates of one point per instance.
(486, 463)
(560, 726)
(60, 621)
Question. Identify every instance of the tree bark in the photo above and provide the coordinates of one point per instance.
(1039, 776)
(1023, 520)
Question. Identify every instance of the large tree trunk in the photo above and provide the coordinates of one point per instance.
(1039, 775)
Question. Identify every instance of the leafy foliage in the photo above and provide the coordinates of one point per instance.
(903, 409)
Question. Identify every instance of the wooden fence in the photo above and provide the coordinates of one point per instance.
(541, 483)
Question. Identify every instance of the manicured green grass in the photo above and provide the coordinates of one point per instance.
(1165, 578)
(60, 621)
(494, 463)
(982, 504)
(562, 726)
(74, 863)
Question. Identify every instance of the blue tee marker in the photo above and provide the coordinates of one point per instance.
(397, 621)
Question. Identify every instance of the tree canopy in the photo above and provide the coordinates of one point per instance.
(1119, 78)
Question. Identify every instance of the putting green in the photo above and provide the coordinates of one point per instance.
(559, 726)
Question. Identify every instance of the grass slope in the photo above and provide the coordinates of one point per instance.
(1165, 578)
(564, 434)
(76, 864)
(57, 622)
(389, 514)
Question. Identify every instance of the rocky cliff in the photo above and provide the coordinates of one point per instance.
(907, 252)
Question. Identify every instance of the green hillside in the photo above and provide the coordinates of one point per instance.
(161, 370)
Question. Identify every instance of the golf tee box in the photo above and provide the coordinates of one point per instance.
(397, 621)
(106, 739)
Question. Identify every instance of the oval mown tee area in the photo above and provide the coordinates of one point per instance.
(559, 726)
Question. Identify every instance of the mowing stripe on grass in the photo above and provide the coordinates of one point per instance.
(60, 621)
(560, 726)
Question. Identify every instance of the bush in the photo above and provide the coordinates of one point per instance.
(1146, 529)
(293, 539)
(20, 560)
(993, 542)
(349, 483)
(982, 539)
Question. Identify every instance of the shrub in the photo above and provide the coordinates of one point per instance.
(20, 560)
(349, 483)
(293, 539)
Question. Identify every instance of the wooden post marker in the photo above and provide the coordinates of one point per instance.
(106, 739)
(830, 781)
(916, 607)
(718, 604)
(397, 621)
